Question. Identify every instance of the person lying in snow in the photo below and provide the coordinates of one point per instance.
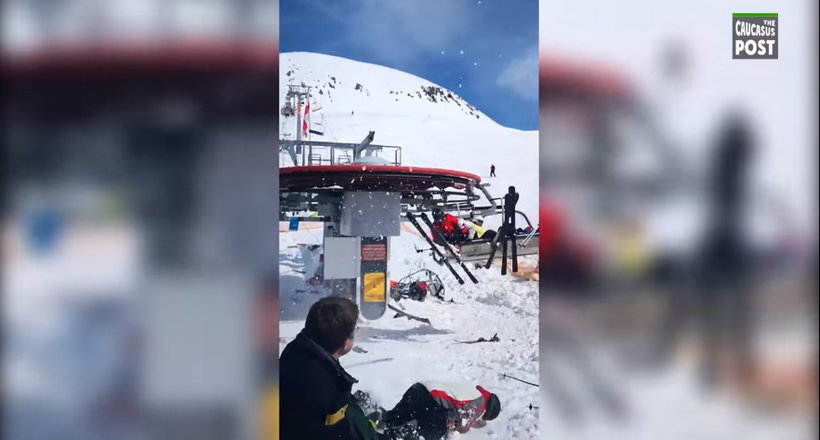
(434, 410)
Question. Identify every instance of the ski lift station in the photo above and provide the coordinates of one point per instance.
(362, 202)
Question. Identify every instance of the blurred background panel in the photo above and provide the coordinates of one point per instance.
(137, 240)
(678, 193)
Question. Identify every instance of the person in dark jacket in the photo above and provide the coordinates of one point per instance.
(725, 298)
(315, 391)
(492, 170)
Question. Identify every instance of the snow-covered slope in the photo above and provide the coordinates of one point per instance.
(344, 85)
(432, 125)
(436, 129)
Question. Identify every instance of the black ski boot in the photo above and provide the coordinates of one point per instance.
(377, 417)
(365, 401)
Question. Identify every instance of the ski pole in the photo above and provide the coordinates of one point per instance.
(505, 376)
(529, 237)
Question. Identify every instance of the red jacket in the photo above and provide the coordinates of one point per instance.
(465, 406)
(449, 224)
(554, 234)
(551, 226)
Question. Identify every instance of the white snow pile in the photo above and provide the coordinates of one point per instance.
(434, 127)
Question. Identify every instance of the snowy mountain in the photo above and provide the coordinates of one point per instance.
(434, 127)
(342, 85)
(341, 81)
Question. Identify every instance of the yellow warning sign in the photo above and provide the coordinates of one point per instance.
(374, 286)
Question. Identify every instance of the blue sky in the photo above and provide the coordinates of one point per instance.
(489, 47)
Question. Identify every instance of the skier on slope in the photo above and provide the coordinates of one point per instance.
(434, 410)
(492, 170)
(454, 230)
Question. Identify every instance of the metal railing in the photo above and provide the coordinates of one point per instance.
(334, 153)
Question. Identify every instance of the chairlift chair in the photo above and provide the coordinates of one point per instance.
(417, 286)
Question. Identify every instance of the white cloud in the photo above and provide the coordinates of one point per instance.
(521, 75)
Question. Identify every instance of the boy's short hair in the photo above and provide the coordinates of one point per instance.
(331, 321)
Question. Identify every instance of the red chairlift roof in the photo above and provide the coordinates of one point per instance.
(198, 55)
(561, 73)
(372, 177)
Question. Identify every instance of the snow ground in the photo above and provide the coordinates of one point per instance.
(447, 135)
(669, 406)
(401, 352)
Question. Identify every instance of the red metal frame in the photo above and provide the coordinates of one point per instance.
(563, 74)
(72, 81)
(372, 177)
(197, 54)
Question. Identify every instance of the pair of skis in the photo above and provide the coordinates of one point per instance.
(437, 254)
(495, 338)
